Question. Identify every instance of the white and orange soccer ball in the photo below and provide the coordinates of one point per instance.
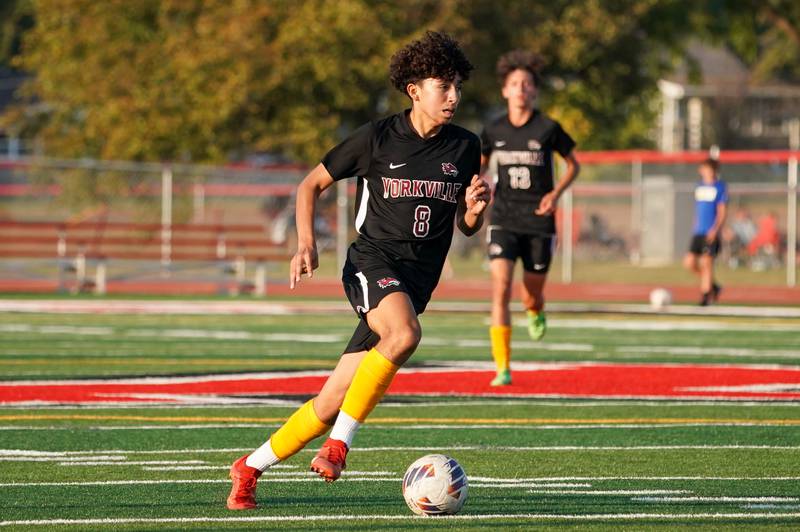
(435, 485)
(660, 298)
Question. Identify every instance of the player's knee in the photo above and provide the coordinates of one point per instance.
(502, 290)
(402, 341)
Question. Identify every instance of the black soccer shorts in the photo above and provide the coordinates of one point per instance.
(700, 246)
(536, 251)
(368, 278)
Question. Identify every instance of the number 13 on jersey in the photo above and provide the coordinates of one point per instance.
(519, 177)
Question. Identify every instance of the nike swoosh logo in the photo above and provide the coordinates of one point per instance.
(392, 166)
(500, 143)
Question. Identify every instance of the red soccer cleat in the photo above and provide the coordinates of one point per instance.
(243, 491)
(330, 460)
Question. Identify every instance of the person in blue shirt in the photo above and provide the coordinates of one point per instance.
(710, 199)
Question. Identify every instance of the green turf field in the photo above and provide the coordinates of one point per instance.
(556, 464)
(77, 345)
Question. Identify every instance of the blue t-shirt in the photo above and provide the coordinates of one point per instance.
(706, 201)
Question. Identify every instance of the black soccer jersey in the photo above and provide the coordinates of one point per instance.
(524, 157)
(408, 187)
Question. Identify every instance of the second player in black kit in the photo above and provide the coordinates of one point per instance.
(524, 158)
(521, 143)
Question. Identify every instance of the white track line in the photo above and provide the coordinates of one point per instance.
(466, 517)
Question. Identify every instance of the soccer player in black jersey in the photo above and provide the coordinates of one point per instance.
(521, 143)
(416, 174)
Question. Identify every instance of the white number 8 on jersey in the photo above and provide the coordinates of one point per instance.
(422, 221)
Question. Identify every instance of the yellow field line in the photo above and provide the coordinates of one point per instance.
(397, 420)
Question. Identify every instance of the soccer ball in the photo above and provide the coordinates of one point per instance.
(435, 485)
(660, 298)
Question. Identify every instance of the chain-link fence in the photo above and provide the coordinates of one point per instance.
(626, 219)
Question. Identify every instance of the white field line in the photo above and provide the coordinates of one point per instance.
(132, 463)
(343, 478)
(93, 455)
(607, 492)
(715, 499)
(709, 351)
(391, 402)
(261, 337)
(481, 343)
(770, 506)
(451, 427)
(104, 459)
(186, 468)
(793, 387)
(465, 366)
(326, 307)
(574, 427)
(366, 479)
(465, 517)
(662, 324)
(520, 485)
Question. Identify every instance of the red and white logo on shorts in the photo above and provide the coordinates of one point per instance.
(449, 169)
(387, 282)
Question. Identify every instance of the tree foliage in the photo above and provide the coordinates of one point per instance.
(201, 80)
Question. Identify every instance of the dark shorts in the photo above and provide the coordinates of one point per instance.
(699, 246)
(536, 251)
(368, 278)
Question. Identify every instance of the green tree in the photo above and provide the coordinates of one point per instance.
(199, 80)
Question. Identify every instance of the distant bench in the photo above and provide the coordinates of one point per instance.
(76, 245)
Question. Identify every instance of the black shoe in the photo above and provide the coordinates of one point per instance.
(715, 291)
(705, 299)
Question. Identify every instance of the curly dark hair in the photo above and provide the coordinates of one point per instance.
(436, 55)
(520, 60)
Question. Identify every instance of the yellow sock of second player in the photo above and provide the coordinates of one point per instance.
(500, 336)
(372, 378)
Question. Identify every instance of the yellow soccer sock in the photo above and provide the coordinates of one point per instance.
(301, 427)
(500, 336)
(372, 378)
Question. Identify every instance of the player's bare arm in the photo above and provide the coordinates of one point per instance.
(549, 201)
(722, 213)
(306, 260)
(472, 206)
